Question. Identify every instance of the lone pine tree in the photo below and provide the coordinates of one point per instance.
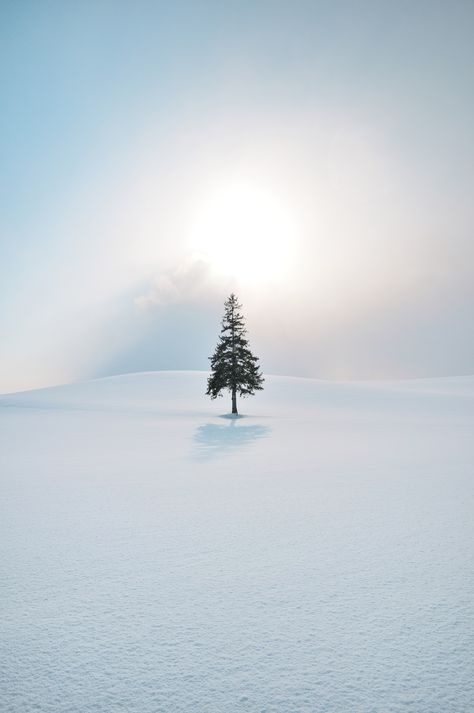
(233, 366)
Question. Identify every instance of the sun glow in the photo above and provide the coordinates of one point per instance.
(244, 231)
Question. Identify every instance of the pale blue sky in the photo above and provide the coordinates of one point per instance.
(119, 119)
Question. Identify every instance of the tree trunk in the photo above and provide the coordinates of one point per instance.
(234, 388)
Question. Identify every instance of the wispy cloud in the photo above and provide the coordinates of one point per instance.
(192, 280)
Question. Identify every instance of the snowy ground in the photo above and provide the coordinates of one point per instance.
(313, 556)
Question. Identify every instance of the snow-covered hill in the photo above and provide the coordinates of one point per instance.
(314, 555)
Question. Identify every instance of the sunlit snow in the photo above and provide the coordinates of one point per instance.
(312, 556)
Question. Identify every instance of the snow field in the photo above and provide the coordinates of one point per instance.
(313, 556)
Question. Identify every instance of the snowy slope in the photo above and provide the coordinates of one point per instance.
(313, 556)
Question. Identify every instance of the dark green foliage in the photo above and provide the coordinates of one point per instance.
(233, 366)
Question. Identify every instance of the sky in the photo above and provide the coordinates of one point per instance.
(317, 158)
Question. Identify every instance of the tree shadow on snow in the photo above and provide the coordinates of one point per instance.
(213, 440)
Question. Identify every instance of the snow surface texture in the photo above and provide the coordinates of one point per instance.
(312, 556)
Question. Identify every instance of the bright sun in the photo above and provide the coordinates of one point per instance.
(244, 231)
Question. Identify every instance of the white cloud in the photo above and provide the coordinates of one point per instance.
(192, 280)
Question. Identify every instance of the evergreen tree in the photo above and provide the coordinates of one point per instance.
(233, 366)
